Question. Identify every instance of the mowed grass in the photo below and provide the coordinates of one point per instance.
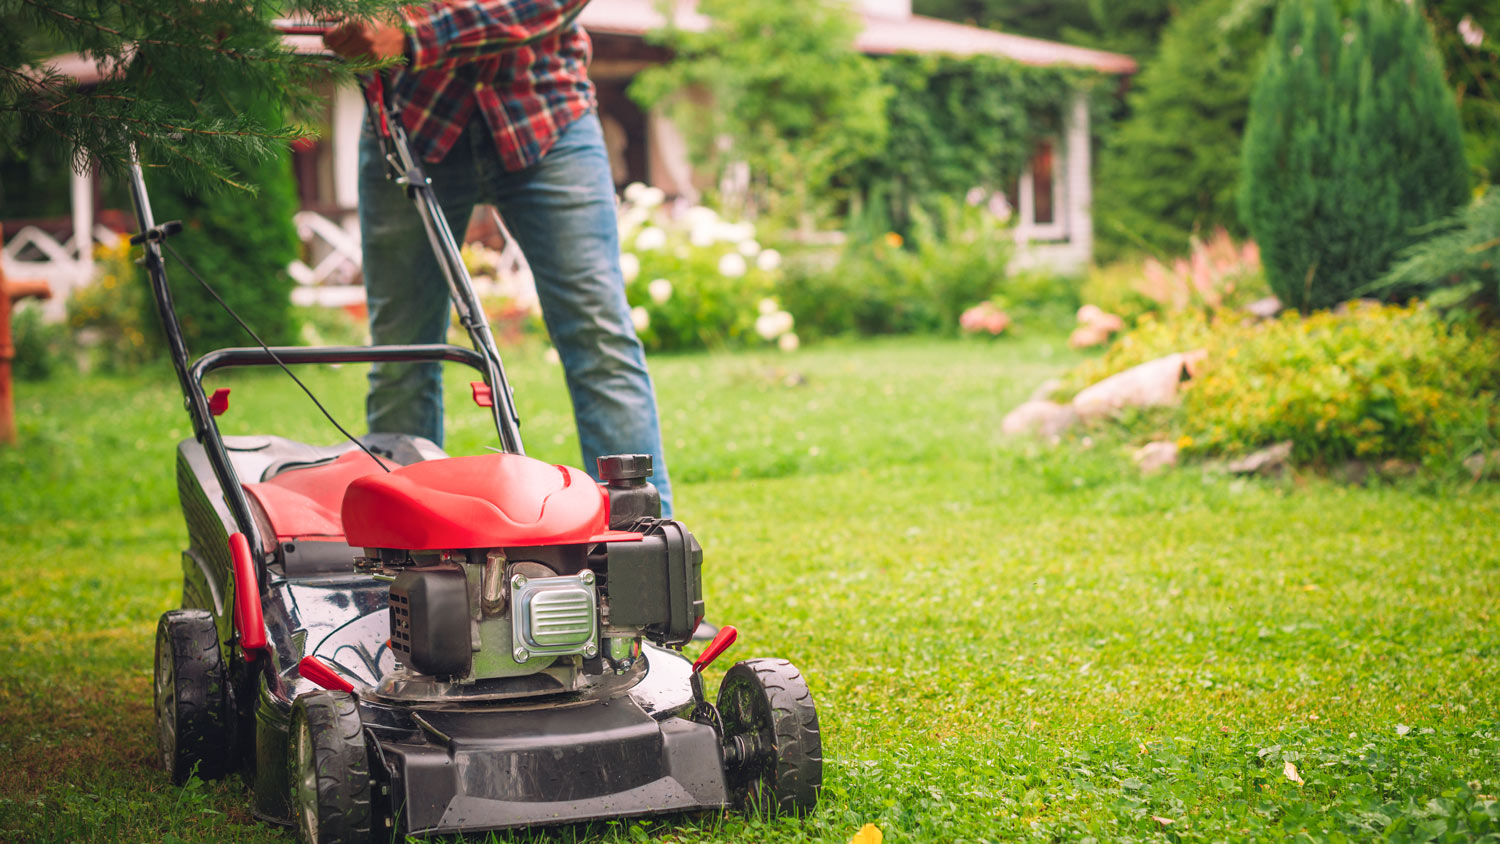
(1006, 640)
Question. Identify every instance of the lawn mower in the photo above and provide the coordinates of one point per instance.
(385, 640)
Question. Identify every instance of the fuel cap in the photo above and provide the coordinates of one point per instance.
(624, 467)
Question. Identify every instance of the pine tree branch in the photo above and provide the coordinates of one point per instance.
(99, 27)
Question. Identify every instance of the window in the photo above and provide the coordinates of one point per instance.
(1040, 214)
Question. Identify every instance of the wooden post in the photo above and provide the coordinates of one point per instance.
(12, 292)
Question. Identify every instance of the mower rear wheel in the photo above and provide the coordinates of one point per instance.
(330, 770)
(771, 733)
(192, 731)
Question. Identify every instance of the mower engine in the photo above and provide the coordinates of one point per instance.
(523, 620)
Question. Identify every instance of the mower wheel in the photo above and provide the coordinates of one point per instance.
(192, 730)
(330, 770)
(771, 736)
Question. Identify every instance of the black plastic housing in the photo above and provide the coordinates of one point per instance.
(631, 496)
(657, 583)
(430, 620)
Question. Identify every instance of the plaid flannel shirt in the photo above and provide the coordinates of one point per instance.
(523, 64)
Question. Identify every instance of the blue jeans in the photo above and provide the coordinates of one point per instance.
(562, 214)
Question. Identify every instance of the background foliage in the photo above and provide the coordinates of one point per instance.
(776, 84)
(1171, 169)
(172, 57)
(241, 244)
(956, 123)
(1353, 142)
(1468, 35)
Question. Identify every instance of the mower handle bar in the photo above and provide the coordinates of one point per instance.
(256, 356)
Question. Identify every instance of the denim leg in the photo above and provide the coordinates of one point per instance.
(562, 213)
(407, 296)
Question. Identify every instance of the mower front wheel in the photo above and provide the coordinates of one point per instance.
(192, 732)
(330, 770)
(772, 743)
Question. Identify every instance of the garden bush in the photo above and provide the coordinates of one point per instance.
(41, 347)
(696, 280)
(883, 283)
(113, 316)
(1353, 141)
(1370, 382)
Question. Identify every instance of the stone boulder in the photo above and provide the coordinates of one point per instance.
(1042, 418)
(1150, 384)
(1268, 462)
(1155, 456)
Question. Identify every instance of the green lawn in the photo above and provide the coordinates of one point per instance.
(1006, 640)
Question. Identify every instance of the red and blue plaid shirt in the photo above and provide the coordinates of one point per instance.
(523, 64)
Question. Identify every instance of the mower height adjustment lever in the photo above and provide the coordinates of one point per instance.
(720, 644)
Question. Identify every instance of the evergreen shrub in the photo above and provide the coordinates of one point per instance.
(241, 243)
(1353, 142)
(1171, 169)
(1459, 262)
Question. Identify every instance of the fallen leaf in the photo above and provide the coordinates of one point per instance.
(1402, 729)
(868, 834)
(1163, 821)
(1291, 773)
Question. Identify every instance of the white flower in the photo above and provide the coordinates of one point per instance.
(736, 232)
(768, 259)
(703, 235)
(630, 266)
(640, 318)
(660, 290)
(767, 306)
(733, 265)
(974, 196)
(773, 325)
(788, 342)
(551, 355)
(650, 238)
(749, 248)
(633, 191)
(698, 215)
(1470, 31)
(652, 197)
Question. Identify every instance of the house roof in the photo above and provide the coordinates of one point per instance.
(882, 34)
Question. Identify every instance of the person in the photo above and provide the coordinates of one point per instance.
(496, 100)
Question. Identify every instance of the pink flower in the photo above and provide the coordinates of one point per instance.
(1470, 31)
(984, 317)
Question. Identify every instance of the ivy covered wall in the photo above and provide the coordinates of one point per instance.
(960, 122)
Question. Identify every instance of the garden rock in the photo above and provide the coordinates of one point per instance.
(1269, 462)
(1480, 465)
(1044, 391)
(1150, 384)
(1155, 456)
(1264, 308)
(1043, 418)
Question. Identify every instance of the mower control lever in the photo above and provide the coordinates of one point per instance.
(720, 644)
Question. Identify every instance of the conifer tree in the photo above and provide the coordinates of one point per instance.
(206, 92)
(1353, 143)
(175, 75)
(1172, 167)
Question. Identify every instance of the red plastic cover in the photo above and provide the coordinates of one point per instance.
(304, 503)
(484, 501)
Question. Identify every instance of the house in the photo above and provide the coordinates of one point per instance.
(1051, 201)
